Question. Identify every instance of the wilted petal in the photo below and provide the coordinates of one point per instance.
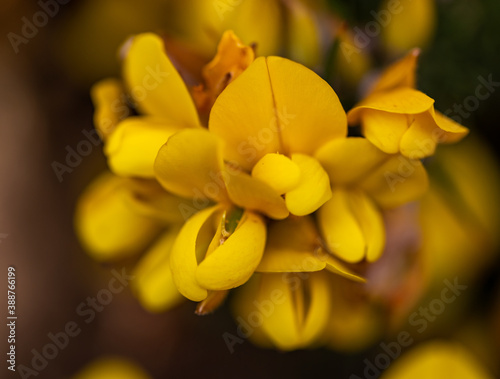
(154, 83)
(232, 263)
(154, 285)
(132, 147)
(313, 189)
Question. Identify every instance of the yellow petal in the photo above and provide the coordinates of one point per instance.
(303, 34)
(313, 189)
(148, 198)
(371, 223)
(232, 263)
(399, 74)
(418, 142)
(341, 229)
(251, 193)
(112, 368)
(154, 285)
(437, 359)
(276, 106)
(454, 131)
(337, 267)
(397, 181)
(291, 247)
(400, 100)
(385, 130)
(185, 255)
(132, 147)
(306, 107)
(154, 83)
(348, 160)
(106, 225)
(190, 165)
(278, 171)
(110, 106)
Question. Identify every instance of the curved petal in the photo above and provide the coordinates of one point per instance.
(400, 100)
(132, 147)
(384, 129)
(397, 181)
(313, 189)
(454, 131)
(348, 160)
(306, 107)
(291, 247)
(110, 105)
(341, 229)
(419, 142)
(232, 263)
(154, 285)
(190, 165)
(399, 74)
(154, 83)
(278, 171)
(251, 193)
(106, 225)
(184, 256)
(276, 106)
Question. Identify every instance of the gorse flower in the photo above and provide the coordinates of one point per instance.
(244, 172)
(395, 117)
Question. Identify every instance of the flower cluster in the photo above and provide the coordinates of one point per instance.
(248, 176)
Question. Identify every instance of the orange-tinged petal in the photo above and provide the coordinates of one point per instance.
(397, 181)
(112, 368)
(278, 171)
(399, 74)
(313, 189)
(154, 83)
(385, 130)
(110, 105)
(190, 165)
(107, 226)
(400, 100)
(184, 255)
(252, 193)
(291, 247)
(348, 160)
(154, 285)
(232, 263)
(132, 147)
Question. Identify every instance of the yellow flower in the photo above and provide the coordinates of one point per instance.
(122, 215)
(262, 135)
(365, 180)
(395, 117)
(412, 24)
(287, 311)
(437, 359)
(112, 368)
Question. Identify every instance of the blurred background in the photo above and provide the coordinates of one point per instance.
(51, 52)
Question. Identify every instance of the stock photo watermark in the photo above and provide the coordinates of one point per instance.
(31, 26)
(87, 311)
(419, 320)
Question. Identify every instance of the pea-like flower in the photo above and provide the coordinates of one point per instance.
(395, 117)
